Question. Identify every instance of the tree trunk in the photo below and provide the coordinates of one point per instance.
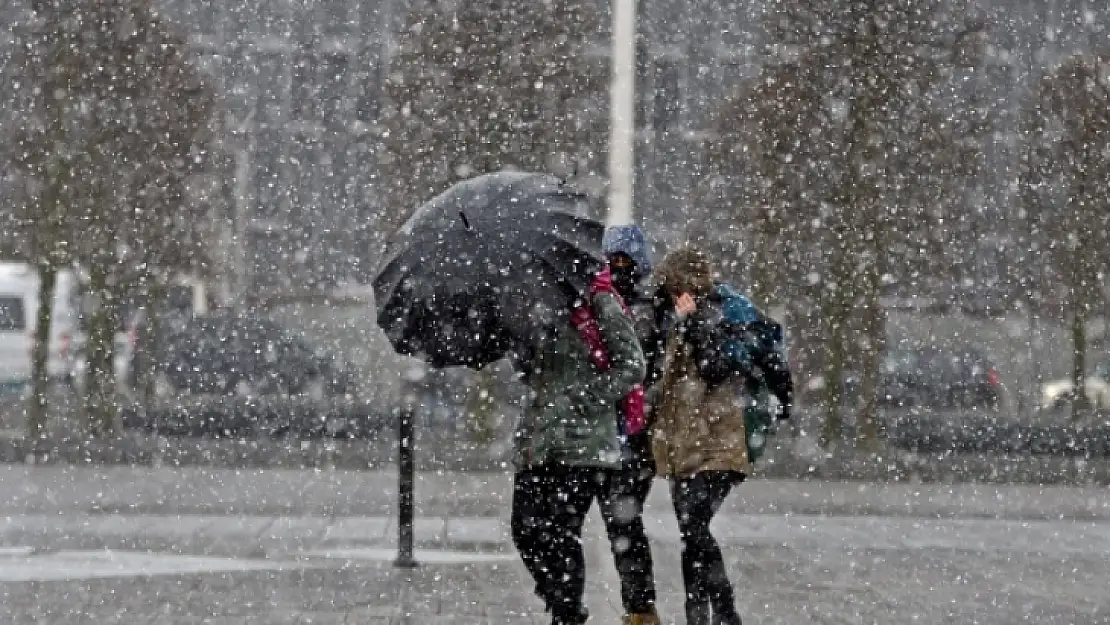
(100, 396)
(836, 314)
(762, 287)
(867, 430)
(40, 351)
(481, 409)
(874, 326)
(833, 371)
(146, 342)
(1081, 402)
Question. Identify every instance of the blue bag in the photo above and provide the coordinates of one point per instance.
(751, 339)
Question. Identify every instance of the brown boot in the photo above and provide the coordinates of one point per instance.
(641, 618)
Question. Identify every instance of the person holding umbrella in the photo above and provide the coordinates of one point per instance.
(568, 445)
(510, 265)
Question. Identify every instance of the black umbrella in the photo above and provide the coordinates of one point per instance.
(485, 267)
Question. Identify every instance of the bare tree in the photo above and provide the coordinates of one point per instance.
(40, 227)
(851, 157)
(117, 124)
(1066, 182)
(32, 231)
(483, 85)
(169, 230)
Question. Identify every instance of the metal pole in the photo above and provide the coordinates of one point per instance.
(239, 227)
(622, 113)
(405, 538)
(1033, 398)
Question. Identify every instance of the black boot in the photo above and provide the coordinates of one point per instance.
(697, 612)
(563, 617)
(726, 616)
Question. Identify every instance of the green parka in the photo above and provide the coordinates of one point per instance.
(573, 417)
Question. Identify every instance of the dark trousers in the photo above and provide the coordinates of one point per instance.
(550, 504)
(696, 500)
(624, 522)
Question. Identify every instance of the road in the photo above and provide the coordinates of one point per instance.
(163, 545)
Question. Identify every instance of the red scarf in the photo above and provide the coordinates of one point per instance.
(583, 319)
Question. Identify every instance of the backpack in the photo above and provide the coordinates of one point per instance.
(755, 346)
(631, 408)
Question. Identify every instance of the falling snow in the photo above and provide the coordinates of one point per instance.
(240, 238)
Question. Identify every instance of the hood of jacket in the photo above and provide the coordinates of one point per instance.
(630, 241)
(686, 270)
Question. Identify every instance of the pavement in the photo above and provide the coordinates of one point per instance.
(920, 446)
(788, 457)
(165, 545)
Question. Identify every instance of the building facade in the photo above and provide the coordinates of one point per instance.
(301, 82)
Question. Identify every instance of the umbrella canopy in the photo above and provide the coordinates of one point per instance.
(485, 267)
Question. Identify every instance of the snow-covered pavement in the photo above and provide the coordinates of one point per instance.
(164, 546)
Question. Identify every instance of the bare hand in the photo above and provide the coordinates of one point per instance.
(684, 305)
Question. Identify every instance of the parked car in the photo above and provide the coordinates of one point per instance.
(939, 378)
(1059, 393)
(231, 354)
(185, 294)
(927, 376)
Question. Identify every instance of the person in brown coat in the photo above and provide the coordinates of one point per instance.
(698, 436)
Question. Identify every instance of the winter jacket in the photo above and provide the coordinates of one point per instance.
(697, 424)
(573, 417)
(631, 407)
(647, 331)
(699, 399)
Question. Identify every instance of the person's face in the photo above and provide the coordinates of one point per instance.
(623, 270)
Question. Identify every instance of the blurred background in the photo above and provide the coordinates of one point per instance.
(918, 191)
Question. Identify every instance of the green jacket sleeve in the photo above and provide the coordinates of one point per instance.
(627, 365)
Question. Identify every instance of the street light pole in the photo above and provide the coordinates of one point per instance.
(622, 113)
(239, 227)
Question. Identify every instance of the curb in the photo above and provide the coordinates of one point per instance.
(888, 464)
(466, 534)
(141, 449)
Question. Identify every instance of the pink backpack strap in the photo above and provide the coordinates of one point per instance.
(582, 318)
(603, 283)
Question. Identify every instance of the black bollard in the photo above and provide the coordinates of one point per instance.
(405, 508)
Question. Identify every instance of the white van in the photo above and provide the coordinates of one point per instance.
(19, 307)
